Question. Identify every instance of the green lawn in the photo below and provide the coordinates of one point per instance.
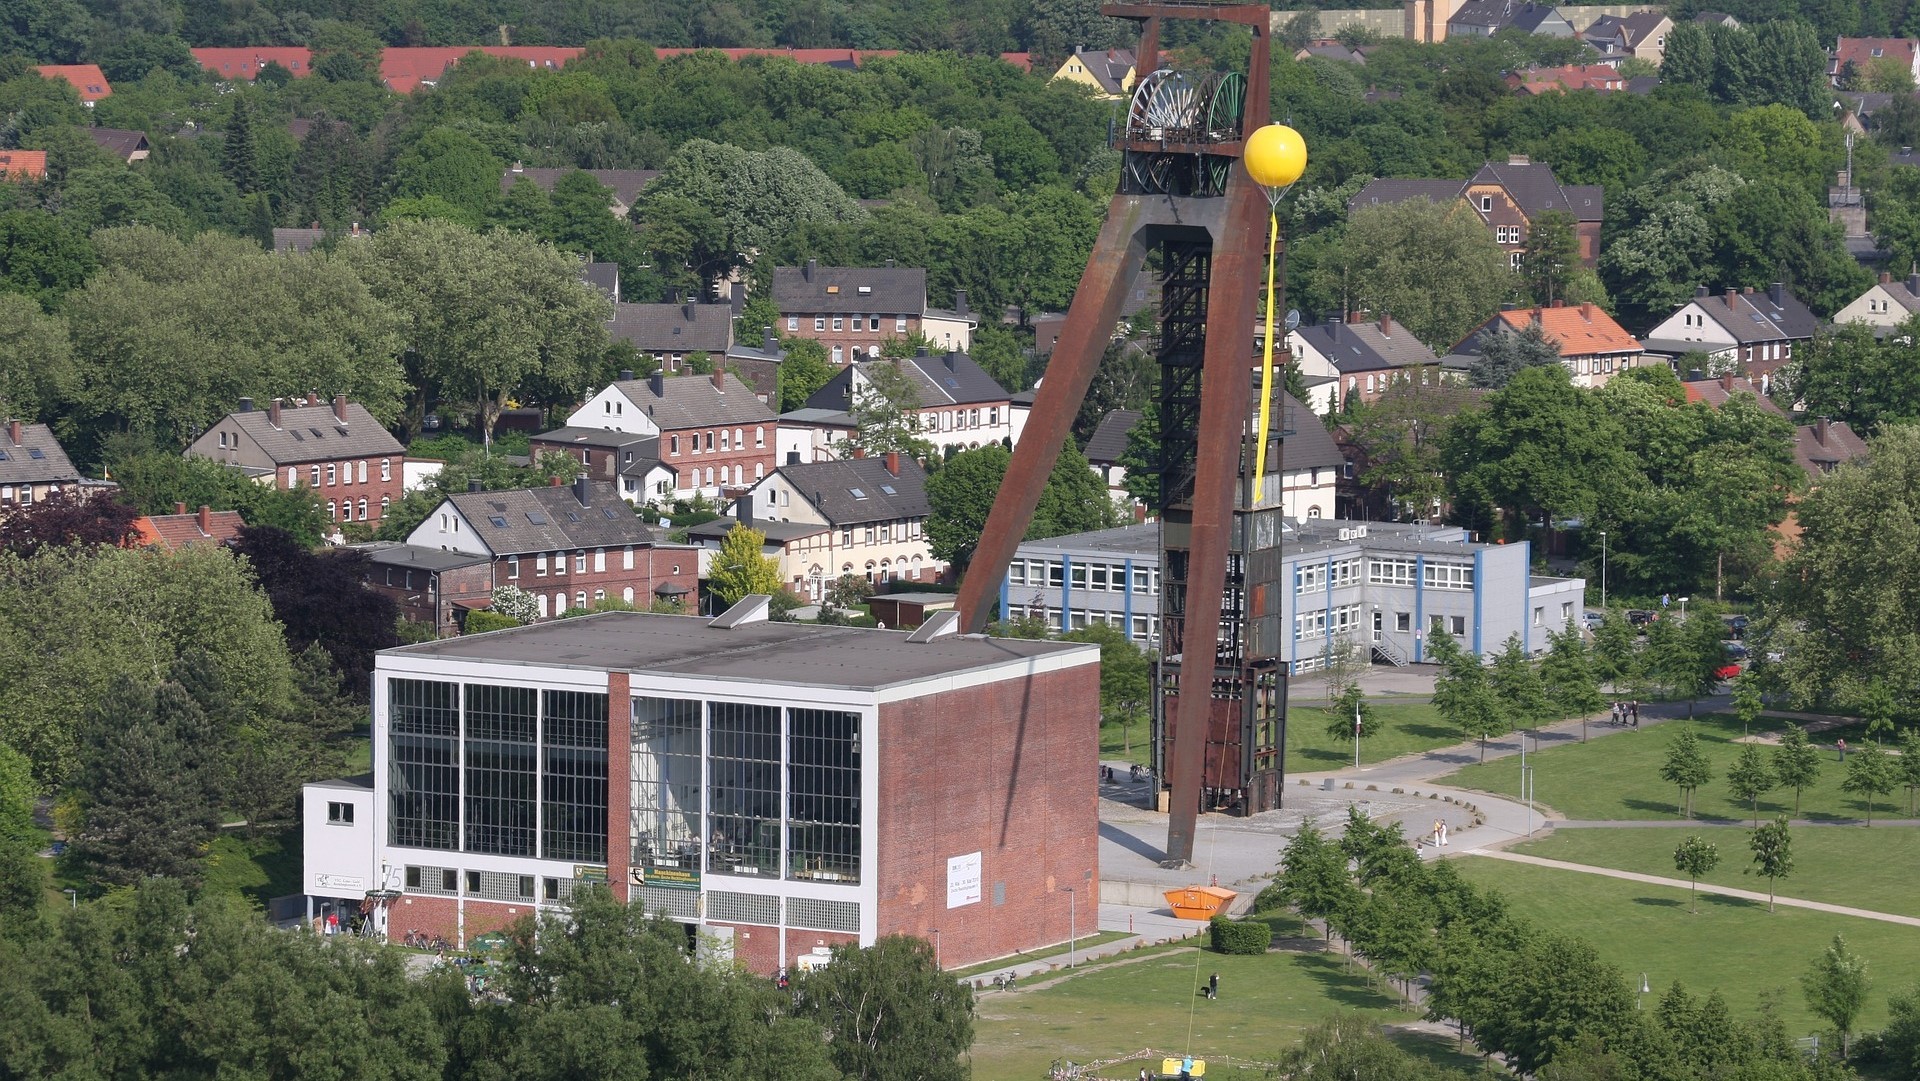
(1400, 727)
(1084, 942)
(1841, 865)
(1144, 999)
(256, 868)
(1733, 945)
(1618, 777)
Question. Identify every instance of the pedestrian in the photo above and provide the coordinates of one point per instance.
(1213, 986)
(1443, 833)
(1186, 1068)
(1616, 713)
(1144, 1075)
(333, 923)
(1842, 745)
(1133, 772)
(1634, 706)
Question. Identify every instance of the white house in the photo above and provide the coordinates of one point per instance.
(960, 404)
(1741, 329)
(873, 512)
(1888, 303)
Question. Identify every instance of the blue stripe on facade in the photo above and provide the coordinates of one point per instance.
(1479, 599)
(1327, 581)
(1126, 601)
(1066, 593)
(1419, 608)
(1526, 595)
(1006, 594)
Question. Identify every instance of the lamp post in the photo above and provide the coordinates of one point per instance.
(1644, 988)
(1073, 924)
(1526, 782)
(1683, 609)
(1356, 733)
(73, 897)
(936, 949)
(1603, 571)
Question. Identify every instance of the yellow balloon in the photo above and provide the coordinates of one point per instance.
(1275, 156)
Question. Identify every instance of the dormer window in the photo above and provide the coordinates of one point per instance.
(1486, 204)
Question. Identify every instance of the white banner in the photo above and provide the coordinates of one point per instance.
(963, 880)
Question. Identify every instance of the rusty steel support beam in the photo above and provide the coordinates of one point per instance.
(1225, 395)
(1116, 258)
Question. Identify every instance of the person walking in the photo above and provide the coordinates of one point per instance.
(1443, 833)
(333, 923)
(1635, 707)
(1213, 986)
(1842, 747)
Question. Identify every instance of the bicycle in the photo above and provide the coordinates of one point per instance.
(1003, 982)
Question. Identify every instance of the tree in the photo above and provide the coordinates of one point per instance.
(961, 495)
(1616, 649)
(1313, 877)
(1696, 857)
(1505, 352)
(739, 569)
(1568, 675)
(1400, 436)
(512, 602)
(1522, 696)
(1796, 762)
(1542, 449)
(888, 1011)
(1907, 770)
(320, 598)
(1552, 255)
(22, 877)
(45, 257)
(449, 164)
(1462, 693)
(1124, 679)
(1436, 268)
(1869, 774)
(886, 412)
(148, 810)
(1772, 846)
(63, 518)
(1747, 700)
(1900, 1040)
(1686, 768)
(1749, 777)
(1350, 716)
(755, 197)
(803, 371)
(1836, 988)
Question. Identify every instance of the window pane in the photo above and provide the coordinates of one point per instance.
(573, 781)
(743, 787)
(666, 782)
(423, 763)
(823, 808)
(500, 770)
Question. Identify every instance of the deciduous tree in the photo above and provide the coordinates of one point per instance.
(740, 569)
(1434, 267)
(1686, 767)
(1836, 988)
(1772, 846)
(1462, 692)
(1695, 857)
(1796, 762)
(1869, 774)
(64, 519)
(1750, 777)
(889, 1011)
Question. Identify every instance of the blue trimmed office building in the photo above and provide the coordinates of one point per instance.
(1385, 585)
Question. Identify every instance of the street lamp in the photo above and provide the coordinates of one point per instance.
(73, 897)
(1603, 571)
(1356, 732)
(936, 949)
(1683, 609)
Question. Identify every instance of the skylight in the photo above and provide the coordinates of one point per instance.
(888, 488)
(536, 517)
(572, 517)
(857, 493)
(499, 520)
(609, 512)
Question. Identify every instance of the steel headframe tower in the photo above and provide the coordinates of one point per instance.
(1183, 190)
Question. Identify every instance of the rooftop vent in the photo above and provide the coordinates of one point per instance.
(751, 608)
(938, 625)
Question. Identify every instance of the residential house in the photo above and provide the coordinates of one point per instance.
(1110, 72)
(714, 433)
(299, 241)
(960, 405)
(568, 545)
(1107, 448)
(87, 79)
(1023, 61)
(1485, 18)
(1717, 18)
(628, 458)
(1826, 445)
(23, 165)
(407, 69)
(172, 532)
(1641, 35)
(1852, 57)
(245, 62)
(128, 146)
(1433, 404)
(430, 585)
(33, 466)
(874, 510)
(814, 435)
(1886, 304)
(626, 184)
(1716, 391)
(789, 544)
(351, 465)
(669, 333)
(1508, 197)
(1753, 333)
(1592, 346)
(1310, 464)
(1363, 357)
(1599, 78)
(853, 311)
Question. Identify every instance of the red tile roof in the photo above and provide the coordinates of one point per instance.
(1581, 330)
(1598, 77)
(1716, 392)
(1862, 51)
(1023, 61)
(175, 531)
(23, 164)
(404, 69)
(245, 63)
(86, 78)
(844, 57)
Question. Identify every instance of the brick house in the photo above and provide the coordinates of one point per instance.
(632, 460)
(1509, 198)
(180, 529)
(1363, 357)
(430, 585)
(1851, 57)
(1592, 346)
(353, 466)
(853, 311)
(960, 404)
(1742, 330)
(715, 433)
(86, 79)
(874, 511)
(32, 465)
(779, 788)
(567, 545)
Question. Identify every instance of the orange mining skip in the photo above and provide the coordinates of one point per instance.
(1199, 902)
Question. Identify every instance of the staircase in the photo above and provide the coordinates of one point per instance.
(1386, 651)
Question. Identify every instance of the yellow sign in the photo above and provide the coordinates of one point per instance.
(1170, 1067)
(589, 874)
(673, 878)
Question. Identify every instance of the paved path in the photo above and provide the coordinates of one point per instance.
(1723, 891)
(1743, 823)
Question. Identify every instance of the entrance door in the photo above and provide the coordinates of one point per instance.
(1378, 624)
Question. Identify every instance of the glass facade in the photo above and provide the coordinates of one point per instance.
(573, 776)
(823, 795)
(666, 782)
(423, 766)
(743, 784)
(501, 768)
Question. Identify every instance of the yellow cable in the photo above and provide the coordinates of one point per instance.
(1266, 367)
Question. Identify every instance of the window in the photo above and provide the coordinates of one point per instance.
(819, 322)
(539, 565)
(513, 566)
(626, 558)
(1514, 259)
(1311, 578)
(709, 442)
(500, 769)
(739, 439)
(900, 325)
(760, 437)
(793, 323)
(580, 562)
(1539, 617)
(1449, 576)
(823, 795)
(839, 323)
(1308, 624)
(1486, 204)
(580, 599)
(599, 560)
(332, 474)
(293, 477)
(743, 788)
(1403, 621)
(559, 562)
(360, 470)
(223, 440)
(386, 469)
(424, 757)
(340, 814)
(839, 354)
(1390, 572)
(873, 323)
(363, 509)
(1459, 626)
(332, 510)
(673, 445)
(666, 782)
(316, 476)
(724, 444)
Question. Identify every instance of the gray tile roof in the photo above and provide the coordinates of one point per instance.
(627, 184)
(673, 328)
(296, 240)
(594, 437)
(393, 554)
(1534, 188)
(604, 277)
(1307, 444)
(1109, 440)
(1530, 17)
(119, 141)
(1905, 293)
(775, 532)
(311, 433)
(1826, 445)
(831, 488)
(1759, 316)
(552, 519)
(1107, 66)
(692, 401)
(1494, 13)
(34, 458)
(814, 289)
(809, 416)
(947, 379)
(1364, 347)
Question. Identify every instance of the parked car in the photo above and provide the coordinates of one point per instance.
(1593, 619)
(1726, 673)
(1737, 626)
(1735, 651)
(1640, 617)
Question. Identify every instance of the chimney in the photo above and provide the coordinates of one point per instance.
(580, 490)
(812, 265)
(893, 462)
(1699, 291)
(1386, 323)
(1913, 283)
(793, 457)
(769, 341)
(889, 264)
(1586, 310)
(313, 398)
(273, 411)
(205, 519)
(1559, 303)
(1519, 159)
(1732, 295)
(953, 359)
(179, 507)
(1777, 292)
(519, 168)
(1333, 330)
(246, 405)
(918, 351)
(554, 482)
(1694, 375)
(340, 408)
(657, 382)
(859, 452)
(474, 485)
(1356, 317)
(686, 309)
(1748, 290)
(959, 302)
(1726, 382)
(626, 375)
(1885, 277)
(1820, 431)
(720, 381)
(743, 511)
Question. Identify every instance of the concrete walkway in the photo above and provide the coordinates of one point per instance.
(1723, 891)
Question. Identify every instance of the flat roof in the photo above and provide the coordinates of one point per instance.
(773, 531)
(395, 554)
(360, 783)
(852, 658)
(1120, 540)
(916, 598)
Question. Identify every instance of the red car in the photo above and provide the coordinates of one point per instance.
(1727, 673)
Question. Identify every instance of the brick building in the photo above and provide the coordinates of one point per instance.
(630, 459)
(714, 433)
(354, 466)
(853, 311)
(430, 585)
(1509, 198)
(180, 529)
(32, 465)
(569, 546)
(735, 775)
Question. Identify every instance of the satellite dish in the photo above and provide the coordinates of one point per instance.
(1293, 319)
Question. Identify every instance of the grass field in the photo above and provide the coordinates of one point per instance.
(1400, 727)
(1145, 999)
(1733, 945)
(257, 868)
(1840, 865)
(1618, 777)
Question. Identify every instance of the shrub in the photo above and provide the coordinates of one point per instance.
(1240, 936)
(482, 621)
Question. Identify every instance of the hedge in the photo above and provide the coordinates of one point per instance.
(1240, 936)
